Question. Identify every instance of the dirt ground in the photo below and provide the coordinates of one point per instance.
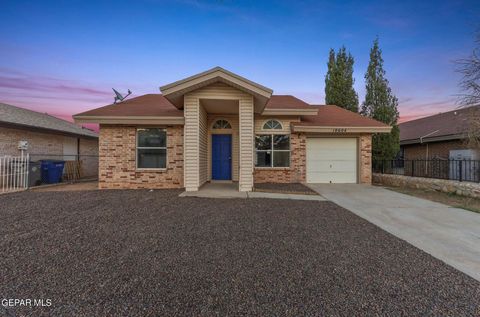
(453, 200)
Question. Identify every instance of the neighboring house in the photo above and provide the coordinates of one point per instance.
(218, 126)
(47, 137)
(441, 136)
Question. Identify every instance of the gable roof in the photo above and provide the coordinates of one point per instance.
(175, 91)
(333, 117)
(288, 105)
(144, 105)
(150, 108)
(15, 116)
(449, 125)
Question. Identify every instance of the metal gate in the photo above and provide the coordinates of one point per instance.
(13, 173)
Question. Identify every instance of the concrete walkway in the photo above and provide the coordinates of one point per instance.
(230, 190)
(449, 234)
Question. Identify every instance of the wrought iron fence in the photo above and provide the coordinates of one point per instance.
(13, 173)
(29, 170)
(460, 170)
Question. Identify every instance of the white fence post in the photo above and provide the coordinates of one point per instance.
(14, 173)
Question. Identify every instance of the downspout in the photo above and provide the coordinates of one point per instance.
(78, 149)
(426, 152)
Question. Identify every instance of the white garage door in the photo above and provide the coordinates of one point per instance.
(332, 160)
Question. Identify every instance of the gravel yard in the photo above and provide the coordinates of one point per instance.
(141, 253)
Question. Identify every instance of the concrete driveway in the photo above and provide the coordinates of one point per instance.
(449, 234)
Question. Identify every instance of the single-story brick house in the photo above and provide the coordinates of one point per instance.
(438, 136)
(47, 137)
(218, 126)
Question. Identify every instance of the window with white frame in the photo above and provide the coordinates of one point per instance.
(272, 150)
(272, 124)
(151, 148)
(222, 124)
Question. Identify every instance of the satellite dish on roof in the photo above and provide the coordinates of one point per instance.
(119, 97)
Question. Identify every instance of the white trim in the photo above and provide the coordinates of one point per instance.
(289, 112)
(152, 169)
(340, 129)
(272, 119)
(130, 120)
(221, 129)
(212, 73)
(272, 152)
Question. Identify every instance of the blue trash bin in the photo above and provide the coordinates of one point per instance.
(55, 171)
(44, 167)
(52, 171)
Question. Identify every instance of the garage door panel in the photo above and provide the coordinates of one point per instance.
(333, 166)
(332, 160)
(340, 178)
(333, 155)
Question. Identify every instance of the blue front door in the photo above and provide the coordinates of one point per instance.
(222, 156)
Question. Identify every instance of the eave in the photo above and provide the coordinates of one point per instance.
(26, 127)
(140, 120)
(174, 91)
(339, 129)
(290, 112)
(434, 139)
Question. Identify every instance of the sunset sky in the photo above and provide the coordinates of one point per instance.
(63, 57)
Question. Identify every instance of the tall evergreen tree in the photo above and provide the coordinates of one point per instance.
(339, 80)
(380, 104)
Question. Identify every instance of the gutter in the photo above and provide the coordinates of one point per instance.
(433, 139)
(130, 119)
(290, 112)
(340, 129)
(422, 137)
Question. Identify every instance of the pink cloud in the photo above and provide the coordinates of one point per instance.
(48, 84)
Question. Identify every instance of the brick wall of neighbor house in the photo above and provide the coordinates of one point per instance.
(296, 173)
(435, 149)
(39, 142)
(117, 160)
(365, 144)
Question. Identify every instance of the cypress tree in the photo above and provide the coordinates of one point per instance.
(339, 80)
(380, 104)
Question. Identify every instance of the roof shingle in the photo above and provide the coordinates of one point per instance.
(449, 123)
(150, 105)
(286, 102)
(19, 116)
(334, 116)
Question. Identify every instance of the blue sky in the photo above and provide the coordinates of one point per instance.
(63, 57)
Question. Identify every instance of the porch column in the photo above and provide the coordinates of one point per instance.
(191, 145)
(246, 139)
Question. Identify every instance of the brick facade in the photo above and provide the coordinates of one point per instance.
(117, 168)
(39, 142)
(43, 145)
(365, 157)
(296, 173)
(117, 161)
(435, 149)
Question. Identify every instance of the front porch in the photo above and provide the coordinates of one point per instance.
(207, 98)
(230, 190)
(217, 190)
